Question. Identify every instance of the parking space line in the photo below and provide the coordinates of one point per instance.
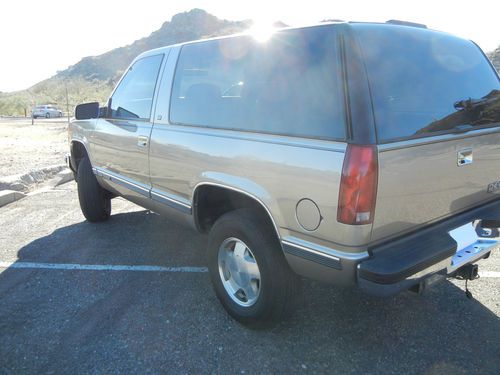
(100, 267)
(489, 274)
(138, 268)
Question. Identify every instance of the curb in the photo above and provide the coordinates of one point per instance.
(66, 175)
(10, 196)
(25, 182)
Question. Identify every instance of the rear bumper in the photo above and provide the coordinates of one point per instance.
(429, 254)
(421, 257)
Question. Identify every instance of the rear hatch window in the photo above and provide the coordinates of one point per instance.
(426, 82)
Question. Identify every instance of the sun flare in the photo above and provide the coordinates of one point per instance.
(262, 31)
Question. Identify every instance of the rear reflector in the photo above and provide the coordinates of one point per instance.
(358, 185)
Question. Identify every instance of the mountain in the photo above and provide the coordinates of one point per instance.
(183, 27)
(93, 77)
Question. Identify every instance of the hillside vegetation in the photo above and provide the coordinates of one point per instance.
(93, 78)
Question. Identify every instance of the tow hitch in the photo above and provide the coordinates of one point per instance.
(467, 272)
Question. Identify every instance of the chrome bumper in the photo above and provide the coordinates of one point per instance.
(470, 247)
(432, 253)
(459, 247)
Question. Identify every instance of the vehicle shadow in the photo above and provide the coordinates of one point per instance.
(114, 321)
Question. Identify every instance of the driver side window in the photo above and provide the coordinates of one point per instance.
(133, 98)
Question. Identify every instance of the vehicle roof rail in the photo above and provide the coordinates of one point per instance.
(407, 23)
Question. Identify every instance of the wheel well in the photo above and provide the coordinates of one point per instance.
(211, 202)
(78, 152)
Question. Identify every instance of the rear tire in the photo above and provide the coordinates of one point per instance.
(95, 202)
(272, 293)
(47, 115)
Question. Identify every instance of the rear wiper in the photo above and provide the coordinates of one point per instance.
(468, 104)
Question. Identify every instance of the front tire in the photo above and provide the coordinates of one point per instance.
(95, 202)
(248, 270)
(47, 115)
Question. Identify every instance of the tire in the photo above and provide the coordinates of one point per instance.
(273, 295)
(47, 115)
(95, 202)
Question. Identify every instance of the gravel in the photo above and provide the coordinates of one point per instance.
(26, 148)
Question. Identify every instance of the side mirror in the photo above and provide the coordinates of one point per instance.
(103, 112)
(87, 111)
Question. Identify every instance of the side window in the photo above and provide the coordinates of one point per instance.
(290, 84)
(133, 97)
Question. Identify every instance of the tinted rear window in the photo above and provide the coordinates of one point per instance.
(425, 83)
(287, 85)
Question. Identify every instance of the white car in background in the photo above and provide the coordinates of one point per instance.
(46, 111)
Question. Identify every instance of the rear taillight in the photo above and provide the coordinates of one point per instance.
(358, 185)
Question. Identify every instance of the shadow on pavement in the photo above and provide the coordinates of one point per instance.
(109, 321)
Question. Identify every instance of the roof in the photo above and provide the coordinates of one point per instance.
(350, 24)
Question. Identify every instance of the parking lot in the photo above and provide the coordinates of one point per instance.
(132, 296)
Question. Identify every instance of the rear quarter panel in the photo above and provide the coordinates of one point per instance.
(276, 170)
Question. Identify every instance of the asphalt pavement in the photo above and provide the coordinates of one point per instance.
(132, 295)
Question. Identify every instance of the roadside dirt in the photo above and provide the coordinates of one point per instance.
(25, 147)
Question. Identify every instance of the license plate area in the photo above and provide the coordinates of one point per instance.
(470, 246)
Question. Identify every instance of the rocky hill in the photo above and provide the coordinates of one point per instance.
(495, 58)
(183, 27)
(94, 77)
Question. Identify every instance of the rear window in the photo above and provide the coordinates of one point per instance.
(427, 83)
(289, 84)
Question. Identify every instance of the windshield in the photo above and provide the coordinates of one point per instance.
(425, 83)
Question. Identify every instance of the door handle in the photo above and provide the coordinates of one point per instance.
(142, 141)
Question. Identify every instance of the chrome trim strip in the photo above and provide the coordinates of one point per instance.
(122, 181)
(149, 193)
(435, 139)
(245, 193)
(174, 203)
(310, 250)
(323, 250)
(310, 256)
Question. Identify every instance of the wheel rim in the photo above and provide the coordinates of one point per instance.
(239, 272)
